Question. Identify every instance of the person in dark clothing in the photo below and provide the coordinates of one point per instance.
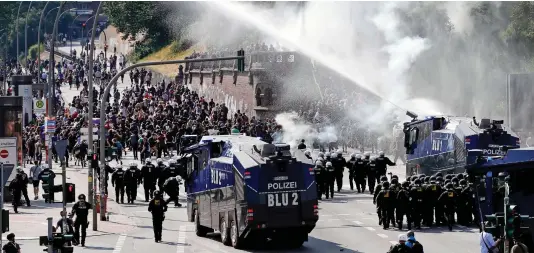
(171, 187)
(148, 179)
(22, 177)
(46, 176)
(117, 181)
(301, 145)
(157, 207)
(81, 210)
(401, 246)
(69, 227)
(413, 244)
(11, 246)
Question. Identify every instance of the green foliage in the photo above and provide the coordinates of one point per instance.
(181, 45)
(32, 52)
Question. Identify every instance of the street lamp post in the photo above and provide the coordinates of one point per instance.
(26, 37)
(46, 16)
(17, 27)
(71, 24)
(51, 88)
(102, 178)
(39, 43)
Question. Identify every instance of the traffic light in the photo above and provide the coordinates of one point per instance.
(83, 25)
(94, 161)
(71, 193)
(5, 220)
(48, 188)
(241, 62)
(59, 242)
(514, 220)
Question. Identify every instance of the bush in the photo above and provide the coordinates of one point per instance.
(178, 46)
(32, 51)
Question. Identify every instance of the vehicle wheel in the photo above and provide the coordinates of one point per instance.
(199, 230)
(225, 231)
(236, 242)
(295, 243)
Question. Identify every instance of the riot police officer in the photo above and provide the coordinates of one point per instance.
(172, 188)
(371, 174)
(168, 172)
(384, 202)
(448, 199)
(375, 196)
(360, 173)
(158, 172)
(307, 153)
(319, 178)
(132, 180)
(148, 178)
(339, 164)
(403, 206)
(381, 165)
(330, 178)
(157, 207)
(117, 181)
(417, 196)
(81, 210)
(351, 164)
(47, 177)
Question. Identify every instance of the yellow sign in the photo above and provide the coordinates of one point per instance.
(451, 194)
(156, 202)
(90, 179)
(386, 195)
(433, 187)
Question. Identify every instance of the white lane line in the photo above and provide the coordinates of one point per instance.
(180, 248)
(333, 219)
(344, 214)
(120, 243)
(358, 222)
(370, 228)
(393, 242)
(382, 235)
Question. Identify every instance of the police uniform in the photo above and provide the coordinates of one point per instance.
(319, 172)
(81, 210)
(132, 180)
(117, 180)
(330, 178)
(157, 207)
(149, 179)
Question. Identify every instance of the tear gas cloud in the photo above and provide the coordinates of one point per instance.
(295, 129)
(426, 57)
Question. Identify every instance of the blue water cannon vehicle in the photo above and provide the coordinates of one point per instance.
(250, 190)
(441, 143)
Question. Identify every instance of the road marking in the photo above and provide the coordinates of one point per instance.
(344, 214)
(333, 219)
(120, 243)
(358, 222)
(370, 228)
(382, 235)
(393, 242)
(180, 248)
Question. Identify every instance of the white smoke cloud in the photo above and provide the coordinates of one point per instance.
(295, 129)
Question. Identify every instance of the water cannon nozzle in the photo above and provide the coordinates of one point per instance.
(411, 114)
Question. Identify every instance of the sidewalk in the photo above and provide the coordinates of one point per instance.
(31, 222)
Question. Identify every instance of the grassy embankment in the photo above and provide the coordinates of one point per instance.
(170, 52)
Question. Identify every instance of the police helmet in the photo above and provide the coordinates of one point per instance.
(409, 178)
(358, 156)
(405, 184)
(415, 178)
(439, 174)
(395, 176)
(463, 182)
(159, 160)
(172, 161)
(448, 177)
(383, 179)
(427, 179)
(81, 197)
(439, 179)
(353, 155)
(328, 154)
(157, 192)
(455, 180)
(19, 169)
(339, 151)
(318, 163)
(367, 154)
(381, 153)
(328, 164)
(320, 159)
(447, 182)
(432, 179)
(132, 164)
(417, 181)
(339, 154)
(44, 166)
(373, 158)
(119, 166)
(449, 186)
(148, 160)
(307, 152)
(321, 154)
(394, 181)
(385, 184)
